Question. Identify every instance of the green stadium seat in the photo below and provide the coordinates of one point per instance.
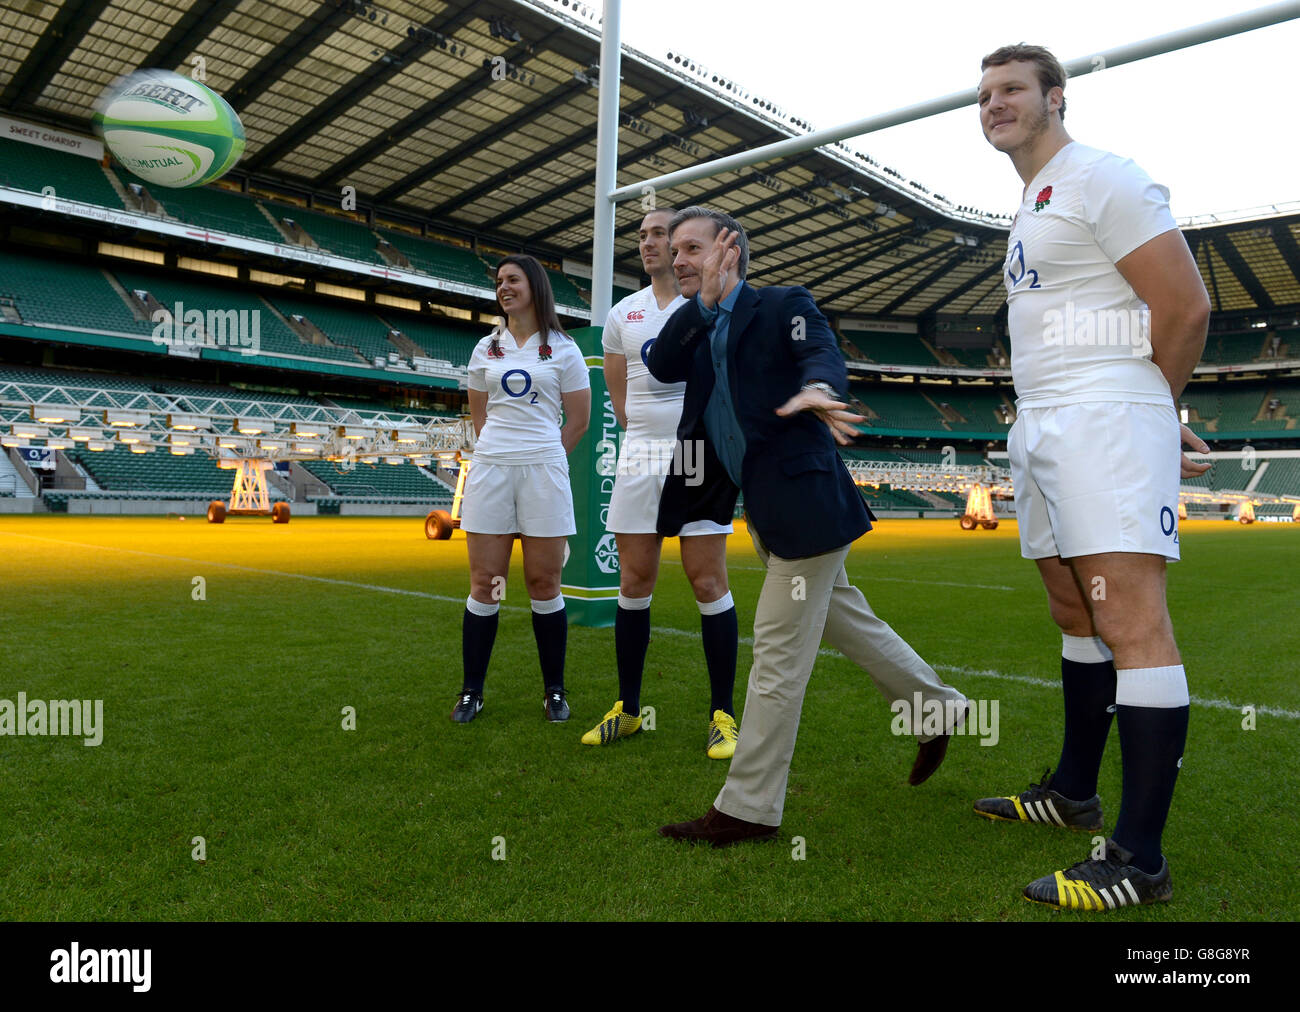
(396, 482)
(274, 334)
(66, 293)
(120, 470)
(356, 328)
(346, 237)
(899, 407)
(215, 208)
(892, 349)
(74, 177)
(451, 340)
(439, 260)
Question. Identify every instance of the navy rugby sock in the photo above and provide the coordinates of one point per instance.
(719, 631)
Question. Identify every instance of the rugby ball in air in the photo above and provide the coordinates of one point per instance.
(168, 129)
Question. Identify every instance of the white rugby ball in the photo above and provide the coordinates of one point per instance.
(168, 129)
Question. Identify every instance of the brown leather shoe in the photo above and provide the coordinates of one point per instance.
(718, 829)
(930, 755)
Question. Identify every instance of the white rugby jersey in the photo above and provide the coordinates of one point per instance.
(630, 328)
(523, 408)
(1078, 330)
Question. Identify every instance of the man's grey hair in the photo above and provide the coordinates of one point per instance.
(720, 221)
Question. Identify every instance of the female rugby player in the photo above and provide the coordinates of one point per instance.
(520, 378)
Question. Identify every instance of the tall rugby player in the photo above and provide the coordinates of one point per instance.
(648, 412)
(1107, 316)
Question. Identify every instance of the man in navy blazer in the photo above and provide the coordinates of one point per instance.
(764, 381)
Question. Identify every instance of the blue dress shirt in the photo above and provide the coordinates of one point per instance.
(720, 414)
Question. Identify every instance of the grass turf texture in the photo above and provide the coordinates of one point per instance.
(223, 720)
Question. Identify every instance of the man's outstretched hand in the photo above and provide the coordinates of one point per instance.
(834, 413)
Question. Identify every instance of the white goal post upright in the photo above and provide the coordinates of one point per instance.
(607, 195)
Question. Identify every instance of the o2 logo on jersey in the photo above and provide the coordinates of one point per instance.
(1016, 269)
(1168, 523)
(645, 352)
(523, 391)
(636, 316)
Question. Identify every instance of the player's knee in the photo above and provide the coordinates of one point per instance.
(1071, 617)
(708, 586)
(542, 586)
(635, 584)
(1128, 627)
(485, 587)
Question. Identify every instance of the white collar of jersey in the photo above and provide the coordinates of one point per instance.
(1043, 171)
(533, 338)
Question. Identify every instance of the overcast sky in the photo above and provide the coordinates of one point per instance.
(1219, 124)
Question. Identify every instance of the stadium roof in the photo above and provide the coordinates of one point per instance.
(479, 118)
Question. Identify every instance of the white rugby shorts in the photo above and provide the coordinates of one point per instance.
(1096, 477)
(530, 499)
(644, 463)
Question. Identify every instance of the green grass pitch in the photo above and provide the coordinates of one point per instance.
(223, 720)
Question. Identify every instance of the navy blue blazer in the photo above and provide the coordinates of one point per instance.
(798, 494)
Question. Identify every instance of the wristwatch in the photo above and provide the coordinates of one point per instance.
(825, 388)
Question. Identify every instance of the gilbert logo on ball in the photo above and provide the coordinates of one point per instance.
(168, 129)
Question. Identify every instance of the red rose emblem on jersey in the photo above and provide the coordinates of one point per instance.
(636, 315)
(1043, 199)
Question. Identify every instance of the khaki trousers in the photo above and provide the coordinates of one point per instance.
(802, 602)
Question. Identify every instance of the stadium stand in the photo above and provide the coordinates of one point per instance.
(370, 404)
(898, 406)
(892, 349)
(43, 382)
(394, 482)
(1282, 477)
(73, 177)
(120, 470)
(977, 407)
(342, 324)
(1241, 407)
(887, 498)
(566, 292)
(452, 263)
(274, 334)
(184, 389)
(1225, 349)
(971, 358)
(215, 208)
(343, 236)
(450, 341)
(66, 294)
(852, 454)
(962, 458)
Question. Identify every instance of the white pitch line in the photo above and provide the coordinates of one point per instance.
(1215, 704)
(1041, 683)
